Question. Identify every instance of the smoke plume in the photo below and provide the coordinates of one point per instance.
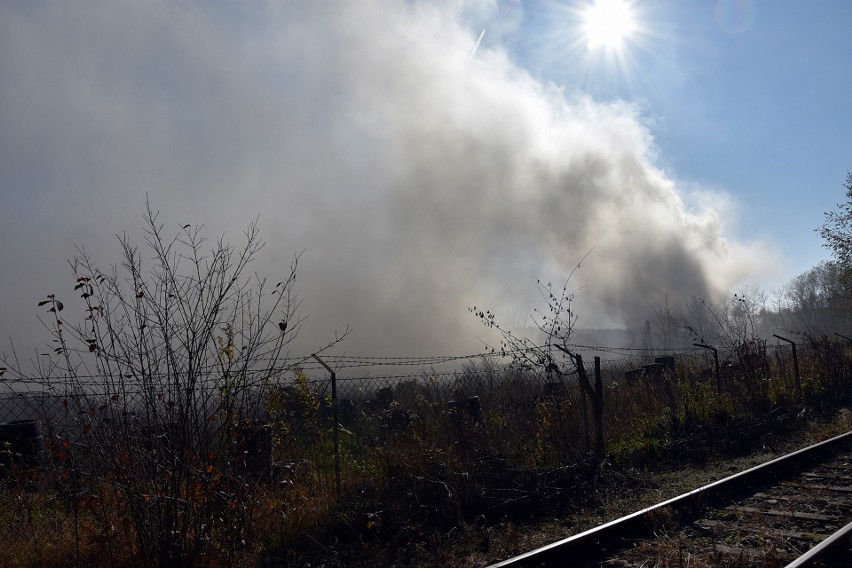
(418, 180)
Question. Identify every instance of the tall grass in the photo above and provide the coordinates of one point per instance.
(417, 469)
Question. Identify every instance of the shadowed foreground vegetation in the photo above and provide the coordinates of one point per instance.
(417, 474)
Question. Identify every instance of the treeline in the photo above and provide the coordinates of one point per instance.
(813, 304)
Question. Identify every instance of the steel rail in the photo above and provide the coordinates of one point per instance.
(827, 549)
(618, 533)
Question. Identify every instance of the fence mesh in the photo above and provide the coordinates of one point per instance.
(450, 412)
(376, 397)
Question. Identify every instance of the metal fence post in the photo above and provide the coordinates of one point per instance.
(849, 339)
(336, 423)
(597, 406)
(716, 359)
(796, 375)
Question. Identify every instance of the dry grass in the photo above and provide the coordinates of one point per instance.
(42, 528)
(448, 489)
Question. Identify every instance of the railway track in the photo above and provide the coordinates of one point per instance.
(794, 512)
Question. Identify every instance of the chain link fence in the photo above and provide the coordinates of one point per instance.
(297, 408)
(438, 417)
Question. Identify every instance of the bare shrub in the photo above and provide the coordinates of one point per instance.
(162, 382)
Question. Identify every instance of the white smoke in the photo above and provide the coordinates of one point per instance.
(419, 181)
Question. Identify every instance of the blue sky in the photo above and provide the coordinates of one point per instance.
(420, 180)
(748, 97)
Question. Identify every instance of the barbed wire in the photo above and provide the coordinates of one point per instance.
(345, 362)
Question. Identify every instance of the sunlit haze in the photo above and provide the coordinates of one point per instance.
(427, 156)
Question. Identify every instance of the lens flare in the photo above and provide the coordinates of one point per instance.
(607, 23)
(735, 16)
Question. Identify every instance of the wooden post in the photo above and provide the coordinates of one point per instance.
(596, 395)
(584, 408)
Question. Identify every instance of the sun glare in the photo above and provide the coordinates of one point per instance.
(607, 23)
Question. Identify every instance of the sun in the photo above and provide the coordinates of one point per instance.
(607, 23)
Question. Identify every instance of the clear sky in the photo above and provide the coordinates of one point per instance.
(425, 167)
(749, 97)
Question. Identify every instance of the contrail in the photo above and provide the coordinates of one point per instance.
(475, 47)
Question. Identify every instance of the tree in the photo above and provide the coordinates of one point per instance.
(837, 229)
(556, 324)
(163, 381)
(817, 300)
(668, 325)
